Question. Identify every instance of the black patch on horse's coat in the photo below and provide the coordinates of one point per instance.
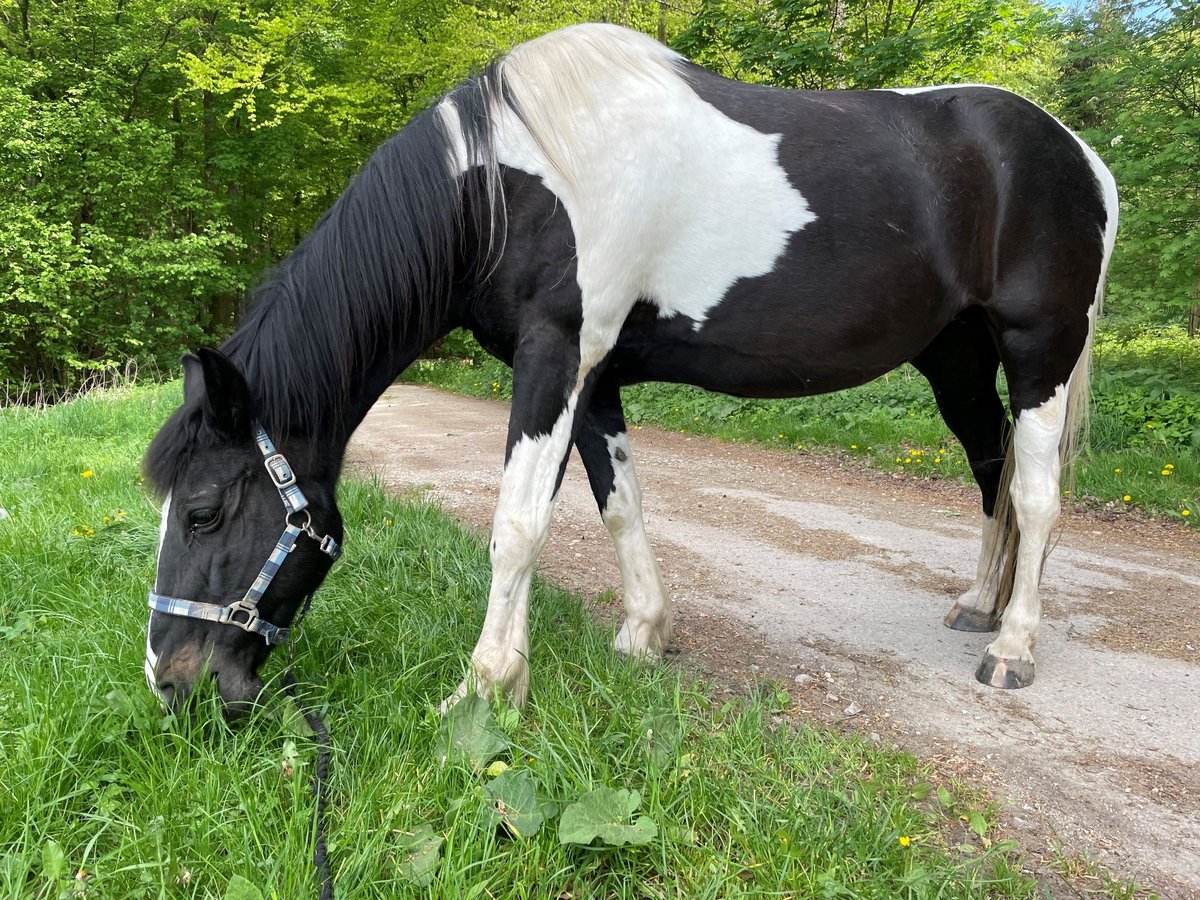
(926, 205)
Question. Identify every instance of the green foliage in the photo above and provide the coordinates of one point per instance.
(469, 730)
(604, 815)
(817, 44)
(1129, 84)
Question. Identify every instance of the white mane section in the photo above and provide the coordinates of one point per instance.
(560, 79)
(669, 199)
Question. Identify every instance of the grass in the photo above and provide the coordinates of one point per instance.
(102, 795)
(1144, 450)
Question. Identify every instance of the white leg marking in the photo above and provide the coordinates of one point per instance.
(1035, 499)
(647, 625)
(527, 490)
(977, 598)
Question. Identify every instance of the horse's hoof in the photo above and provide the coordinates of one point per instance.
(1004, 673)
(964, 618)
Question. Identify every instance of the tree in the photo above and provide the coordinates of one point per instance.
(1132, 85)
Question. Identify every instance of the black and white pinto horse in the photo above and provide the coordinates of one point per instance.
(600, 212)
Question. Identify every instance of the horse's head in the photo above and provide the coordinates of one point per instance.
(227, 583)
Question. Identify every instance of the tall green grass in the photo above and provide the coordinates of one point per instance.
(103, 795)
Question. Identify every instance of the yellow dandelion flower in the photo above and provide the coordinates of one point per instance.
(897, 459)
(1126, 498)
(1118, 471)
(937, 459)
(1166, 471)
(1169, 466)
(908, 459)
(905, 840)
(86, 473)
(1186, 512)
(106, 520)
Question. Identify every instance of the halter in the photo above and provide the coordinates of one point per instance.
(244, 613)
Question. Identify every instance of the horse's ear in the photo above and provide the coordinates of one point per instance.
(211, 380)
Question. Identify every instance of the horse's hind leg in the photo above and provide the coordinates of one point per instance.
(604, 448)
(961, 366)
(1045, 359)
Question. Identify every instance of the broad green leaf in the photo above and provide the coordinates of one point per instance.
(293, 719)
(469, 729)
(944, 796)
(515, 803)
(921, 791)
(241, 889)
(54, 861)
(421, 849)
(604, 813)
(659, 732)
(978, 822)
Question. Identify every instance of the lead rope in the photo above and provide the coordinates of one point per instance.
(321, 776)
(320, 788)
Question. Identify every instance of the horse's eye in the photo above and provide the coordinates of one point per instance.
(199, 519)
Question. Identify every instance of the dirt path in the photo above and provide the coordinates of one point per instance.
(835, 580)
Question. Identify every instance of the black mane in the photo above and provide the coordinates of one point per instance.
(376, 270)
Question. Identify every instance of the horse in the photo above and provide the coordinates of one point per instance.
(599, 212)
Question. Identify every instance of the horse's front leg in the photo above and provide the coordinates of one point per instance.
(549, 398)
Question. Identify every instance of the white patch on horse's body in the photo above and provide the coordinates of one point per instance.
(669, 199)
(647, 625)
(151, 657)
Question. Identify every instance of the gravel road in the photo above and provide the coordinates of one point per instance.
(834, 579)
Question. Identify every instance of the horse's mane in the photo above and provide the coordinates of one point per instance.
(378, 267)
(375, 270)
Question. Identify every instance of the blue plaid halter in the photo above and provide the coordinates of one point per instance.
(244, 613)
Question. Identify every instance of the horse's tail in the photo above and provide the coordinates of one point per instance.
(1003, 541)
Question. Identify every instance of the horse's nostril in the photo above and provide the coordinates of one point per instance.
(166, 692)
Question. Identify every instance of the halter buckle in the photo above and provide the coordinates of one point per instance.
(250, 610)
(280, 470)
(330, 547)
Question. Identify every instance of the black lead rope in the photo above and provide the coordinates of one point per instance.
(320, 788)
(321, 777)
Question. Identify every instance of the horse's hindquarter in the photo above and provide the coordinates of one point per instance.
(902, 206)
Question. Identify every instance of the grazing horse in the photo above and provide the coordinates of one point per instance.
(600, 212)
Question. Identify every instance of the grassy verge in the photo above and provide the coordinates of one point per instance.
(101, 795)
(1144, 450)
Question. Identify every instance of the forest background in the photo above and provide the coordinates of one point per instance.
(157, 156)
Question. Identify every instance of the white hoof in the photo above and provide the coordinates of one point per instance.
(513, 685)
(642, 640)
